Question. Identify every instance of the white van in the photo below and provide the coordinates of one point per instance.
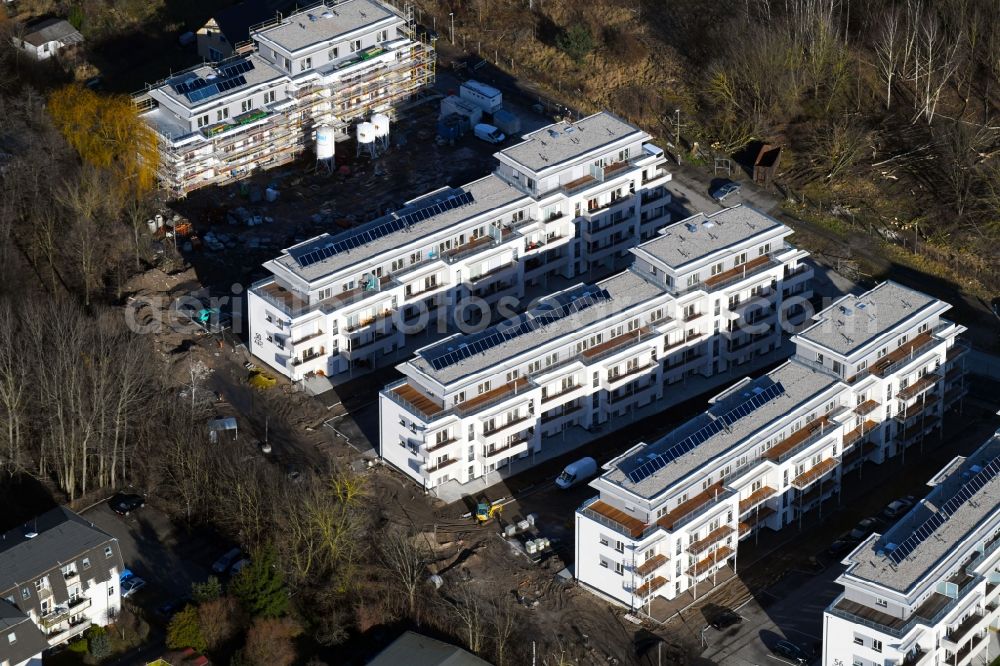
(576, 472)
(489, 133)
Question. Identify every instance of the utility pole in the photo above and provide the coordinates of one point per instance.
(677, 133)
(452, 15)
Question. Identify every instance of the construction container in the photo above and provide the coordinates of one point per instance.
(450, 127)
(507, 122)
(472, 115)
(487, 98)
(530, 547)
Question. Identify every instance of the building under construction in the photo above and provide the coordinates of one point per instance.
(307, 75)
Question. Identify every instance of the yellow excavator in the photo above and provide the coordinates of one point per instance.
(486, 511)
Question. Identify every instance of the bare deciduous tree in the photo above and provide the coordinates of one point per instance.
(405, 557)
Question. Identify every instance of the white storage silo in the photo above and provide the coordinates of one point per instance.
(366, 138)
(381, 123)
(324, 146)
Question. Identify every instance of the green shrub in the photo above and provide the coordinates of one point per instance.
(576, 41)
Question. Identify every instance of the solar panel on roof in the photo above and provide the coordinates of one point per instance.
(701, 435)
(493, 337)
(351, 240)
(948, 509)
(234, 68)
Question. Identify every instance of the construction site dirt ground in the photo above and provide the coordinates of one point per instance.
(312, 200)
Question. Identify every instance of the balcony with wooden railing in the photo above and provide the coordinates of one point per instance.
(755, 519)
(916, 388)
(854, 435)
(416, 399)
(740, 272)
(697, 503)
(492, 397)
(905, 353)
(714, 558)
(437, 467)
(614, 344)
(815, 473)
(651, 565)
(756, 497)
(605, 513)
(920, 409)
(798, 440)
(712, 538)
(644, 591)
(867, 407)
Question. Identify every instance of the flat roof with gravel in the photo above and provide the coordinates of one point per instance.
(701, 235)
(324, 24)
(566, 141)
(854, 321)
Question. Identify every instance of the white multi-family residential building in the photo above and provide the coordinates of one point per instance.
(340, 302)
(926, 591)
(326, 65)
(58, 576)
(587, 356)
(870, 377)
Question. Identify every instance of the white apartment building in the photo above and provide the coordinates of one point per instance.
(870, 378)
(58, 576)
(926, 591)
(326, 65)
(584, 357)
(339, 302)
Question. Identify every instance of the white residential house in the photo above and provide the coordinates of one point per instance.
(926, 591)
(327, 65)
(340, 303)
(44, 39)
(586, 357)
(771, 451)
(59, 574)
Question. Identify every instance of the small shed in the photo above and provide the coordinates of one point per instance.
(765, 166)
(44, 39)
(225, 425)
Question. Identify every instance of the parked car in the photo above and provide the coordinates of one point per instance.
(725, 618)
(239, 566)
(222, 564)
(577, 472)
(130, 584)
(864, 528)
(840, 546)
(171, 608)
(488, 133)
(791, 651)
(725, 190)
(897, 508)
(125, 503)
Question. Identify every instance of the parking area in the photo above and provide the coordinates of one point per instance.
(166, 556)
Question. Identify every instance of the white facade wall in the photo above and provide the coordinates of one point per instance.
(782, 472)
(340, 328)
(946, 616)
(556, 386)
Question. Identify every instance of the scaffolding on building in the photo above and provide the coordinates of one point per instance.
(280, 132)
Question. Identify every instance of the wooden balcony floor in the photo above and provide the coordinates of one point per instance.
(416, 398)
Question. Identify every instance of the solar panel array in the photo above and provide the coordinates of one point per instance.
(927, 528)
(500, 334)
(396, 223)
(699, 436)
(229, 77)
